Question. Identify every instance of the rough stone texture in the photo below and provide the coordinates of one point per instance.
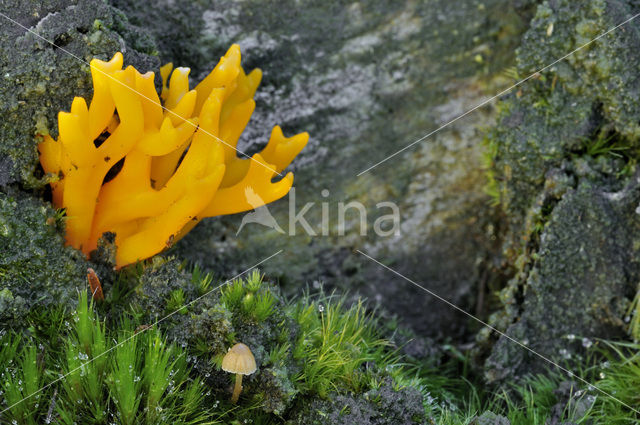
(571, 238)
(593, 88)
(37, 79)
(382, 406)
(364, 79)
(586, 265)
(35, 269)
(573, 404)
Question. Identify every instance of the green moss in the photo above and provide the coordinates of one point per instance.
(603, 70)
(618, 374)
(560, 160)
(176, 302)
(329, 346)
(308, 351)
(327, 364)
(135, 37)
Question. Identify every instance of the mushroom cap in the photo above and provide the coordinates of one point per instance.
(239, 359)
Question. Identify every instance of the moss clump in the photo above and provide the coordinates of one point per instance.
(311, 352)
(35, 267)
(327, 365)
(160, 287)
(96, 375)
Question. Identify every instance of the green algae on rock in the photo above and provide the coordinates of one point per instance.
(38, 79)
(564, 154)
(551, 115)
(585, 270)
(385, 405)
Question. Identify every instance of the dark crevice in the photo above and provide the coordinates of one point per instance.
(61, 40)
(101, 138)
(113, 172)
(105, 134)
(48, 193)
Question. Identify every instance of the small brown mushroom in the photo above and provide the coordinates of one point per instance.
(239, 360)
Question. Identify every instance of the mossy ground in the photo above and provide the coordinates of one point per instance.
(154, 355)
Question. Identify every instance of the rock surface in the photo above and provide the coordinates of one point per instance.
(39, 79)
(566, 148)
(580, 281)
(364, 79)
(382, 406)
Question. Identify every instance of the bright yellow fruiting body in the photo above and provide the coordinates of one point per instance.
(180, 162)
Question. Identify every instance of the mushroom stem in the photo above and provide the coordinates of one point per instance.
(237, 388)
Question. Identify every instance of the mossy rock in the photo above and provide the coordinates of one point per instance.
(35, 267)
(565, 150)
(40, 79)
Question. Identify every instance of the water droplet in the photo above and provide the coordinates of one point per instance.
(565, 354)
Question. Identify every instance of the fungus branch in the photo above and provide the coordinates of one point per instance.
(150, 171)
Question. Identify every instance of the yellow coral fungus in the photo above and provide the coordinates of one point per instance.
(174, 162)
